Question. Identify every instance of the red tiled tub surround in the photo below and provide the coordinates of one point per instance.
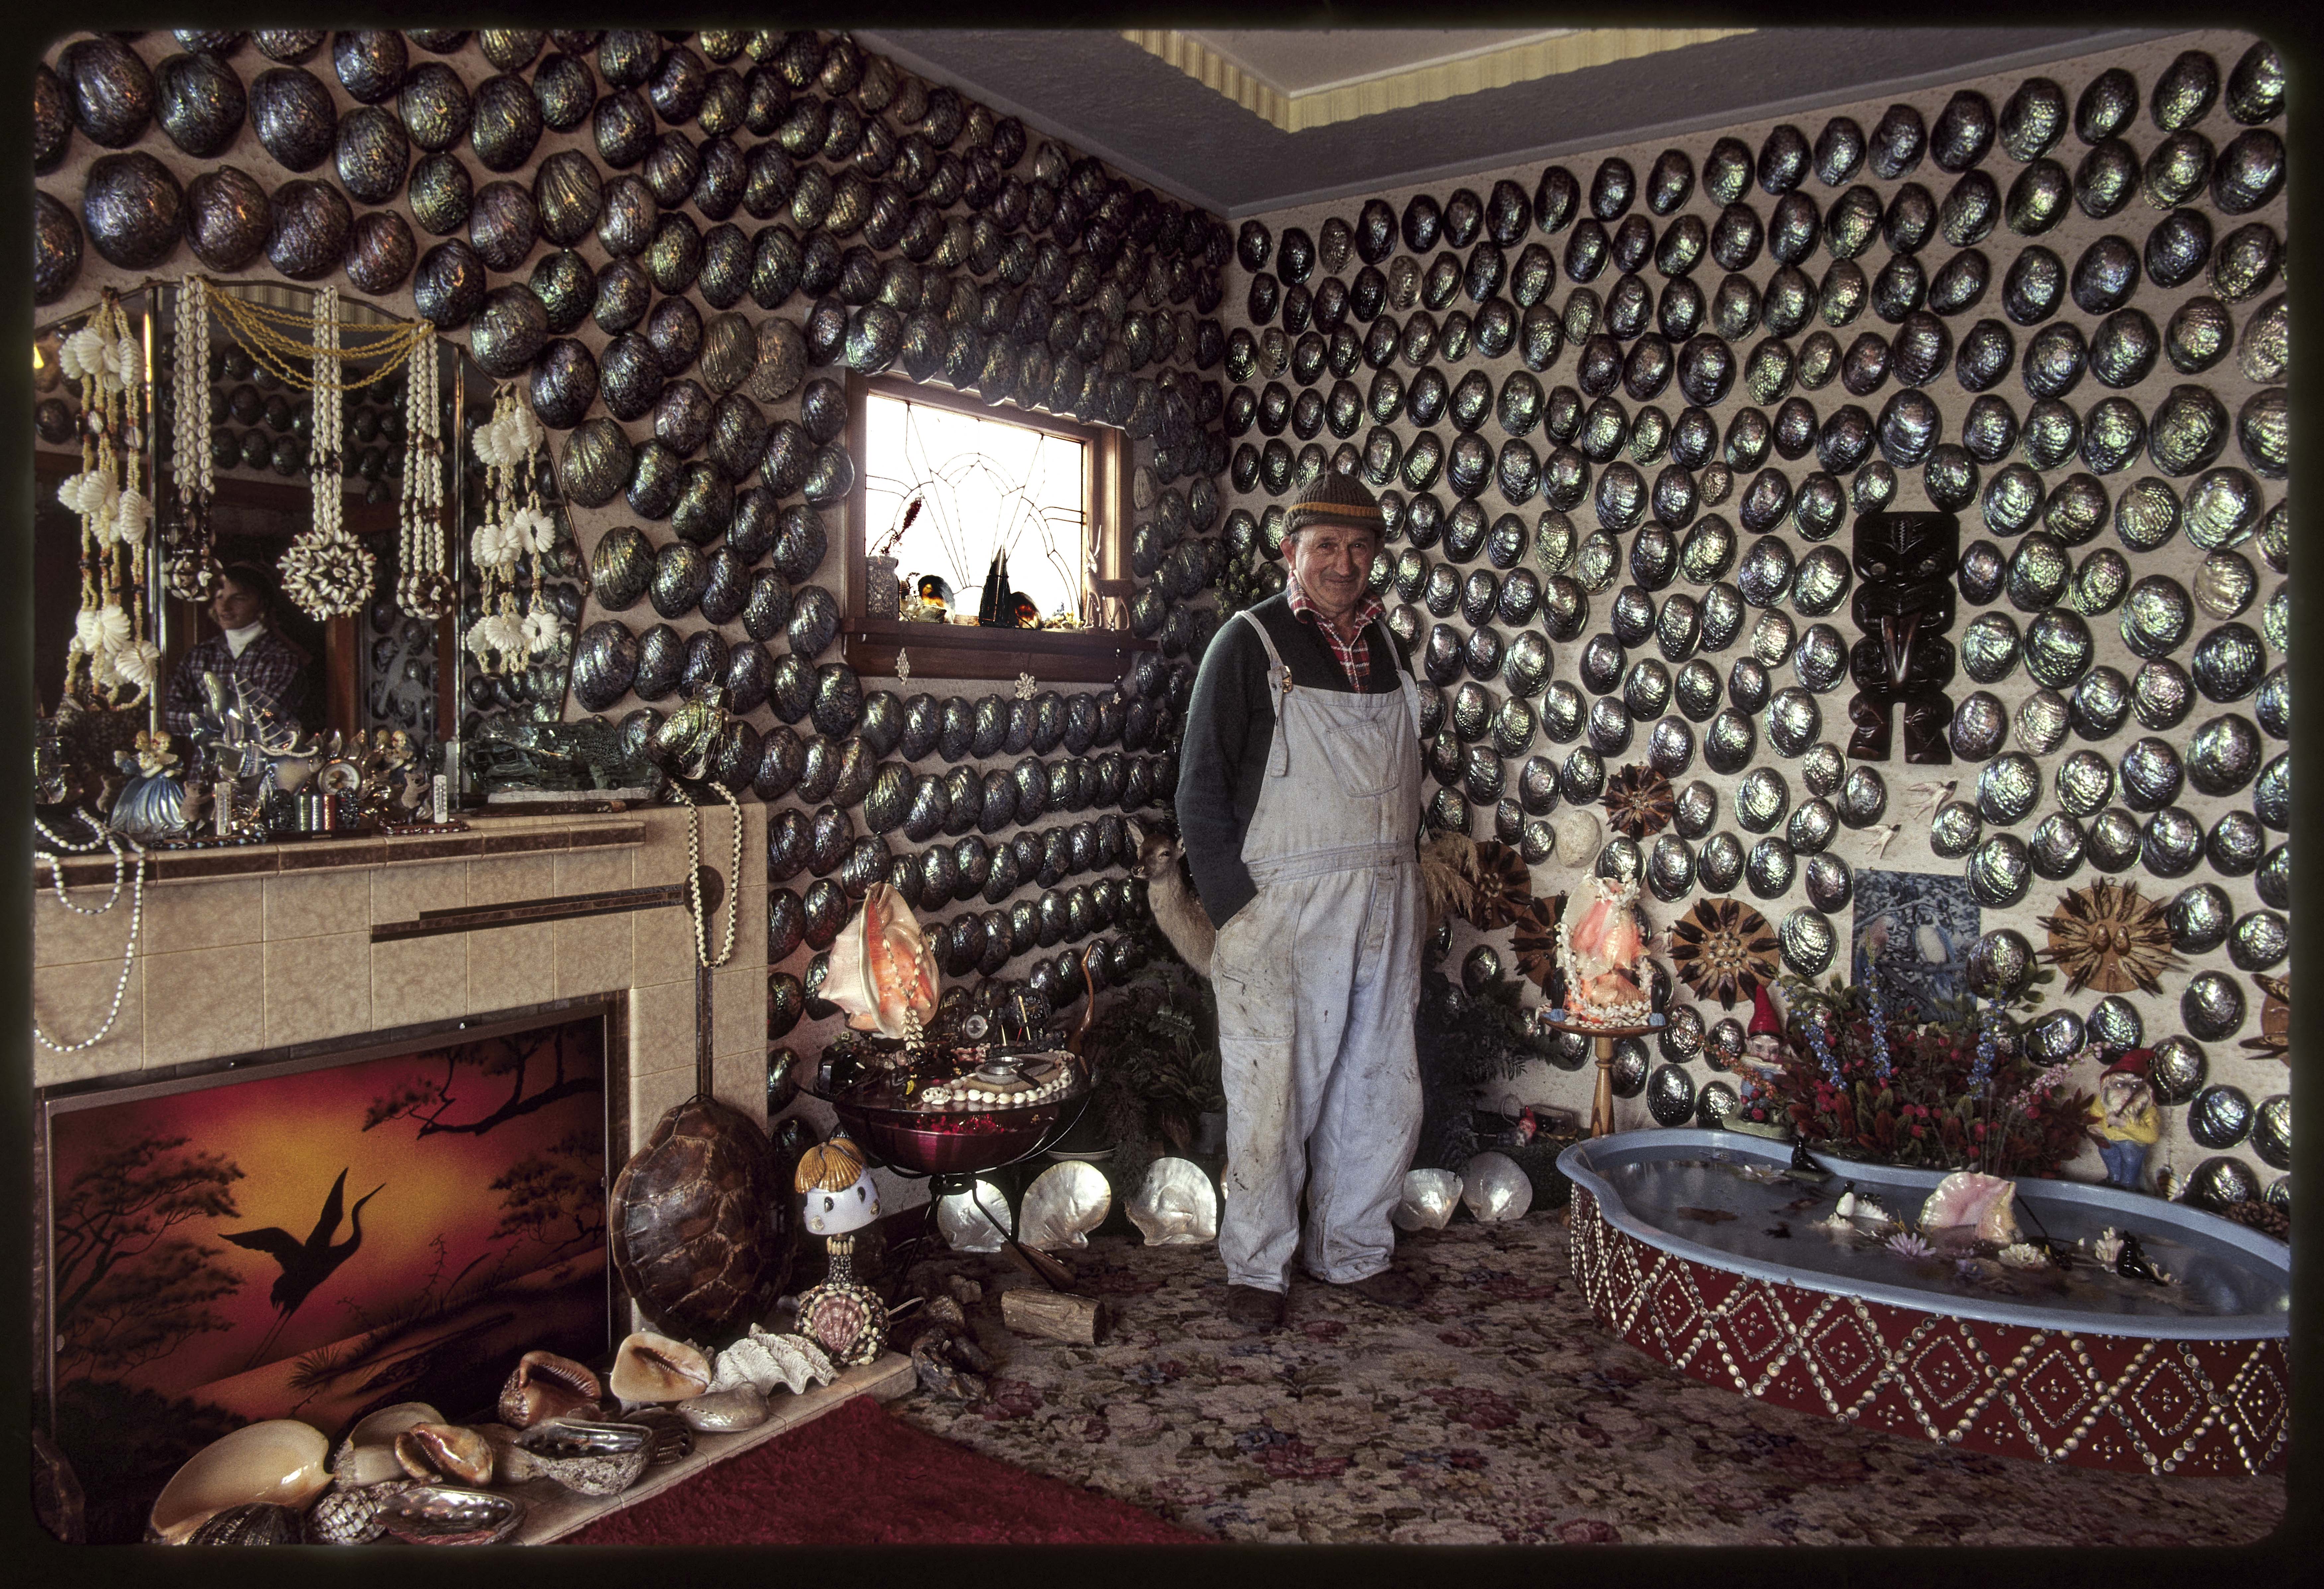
(2064, 1393)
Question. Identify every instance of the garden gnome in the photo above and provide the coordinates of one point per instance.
(1763, 1040)
(2124, 1119)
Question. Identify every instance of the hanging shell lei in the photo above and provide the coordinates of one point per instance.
(327, 571)
(110, 663)
(190, 564)
(422, 587)
(516, 529)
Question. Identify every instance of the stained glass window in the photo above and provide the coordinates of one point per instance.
(945, 491)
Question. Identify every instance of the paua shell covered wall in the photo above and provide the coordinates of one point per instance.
(1624, 409)
(679, 245)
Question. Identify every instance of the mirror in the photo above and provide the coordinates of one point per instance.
(375, 668)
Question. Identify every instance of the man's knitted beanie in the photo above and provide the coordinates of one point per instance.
(1334, 497)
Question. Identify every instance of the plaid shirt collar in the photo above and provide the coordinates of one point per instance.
(1354, 654)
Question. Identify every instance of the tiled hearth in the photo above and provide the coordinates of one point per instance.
(280, 953)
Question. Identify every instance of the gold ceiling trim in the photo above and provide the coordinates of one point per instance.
(1497, 68)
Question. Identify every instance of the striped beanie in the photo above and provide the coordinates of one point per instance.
(1334, 497)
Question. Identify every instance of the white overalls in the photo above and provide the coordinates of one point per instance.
(1317, 977)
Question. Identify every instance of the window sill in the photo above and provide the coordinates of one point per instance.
(869, 645)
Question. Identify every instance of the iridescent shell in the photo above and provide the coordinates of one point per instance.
(132, 211)
(2212, 1009)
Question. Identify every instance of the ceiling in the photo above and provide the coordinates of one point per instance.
(1243, 123)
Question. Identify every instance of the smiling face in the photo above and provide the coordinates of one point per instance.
(1331, 563)
(236, 605)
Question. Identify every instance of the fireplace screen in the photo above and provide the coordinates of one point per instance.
(320, 1237)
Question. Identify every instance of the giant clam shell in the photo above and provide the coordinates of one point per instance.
(1063, 1204)
(277, 1461)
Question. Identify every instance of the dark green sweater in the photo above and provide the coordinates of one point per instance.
(1231, 727)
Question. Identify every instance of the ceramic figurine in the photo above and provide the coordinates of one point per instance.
(153, 803)
(845, 1319)
(1904, 606)
(2124, 1119)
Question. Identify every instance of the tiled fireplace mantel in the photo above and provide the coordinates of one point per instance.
(269, 945)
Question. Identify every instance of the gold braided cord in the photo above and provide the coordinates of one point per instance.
(254, 327)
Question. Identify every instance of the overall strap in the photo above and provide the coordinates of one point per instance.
(1278, 686)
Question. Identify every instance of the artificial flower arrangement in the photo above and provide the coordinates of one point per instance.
(1848, 1075)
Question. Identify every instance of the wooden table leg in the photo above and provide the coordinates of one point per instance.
(1601, 1108)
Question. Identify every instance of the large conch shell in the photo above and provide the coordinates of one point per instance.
(1965, 1198)
(1064, 1203)
(763, 1360)
(1177, 1206)
(546, 1386)
(367, 1454)
(881, 967)
(429, 1451)
(279, 1461)
(1429, 1199)
(654, 1368)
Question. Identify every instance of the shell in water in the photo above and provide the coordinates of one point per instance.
(427, 1450)
(1984, 1202)
(654, 1368)
(280, 1460)
(546, 1386)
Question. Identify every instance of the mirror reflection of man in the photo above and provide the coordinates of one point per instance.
(270, 671)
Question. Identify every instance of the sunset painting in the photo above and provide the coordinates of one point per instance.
(319, 1244)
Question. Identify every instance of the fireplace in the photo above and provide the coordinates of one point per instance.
(322, 1231)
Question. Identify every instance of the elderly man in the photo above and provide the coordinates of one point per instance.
(1299, 804)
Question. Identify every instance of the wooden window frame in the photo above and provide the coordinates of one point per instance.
(1089, 655)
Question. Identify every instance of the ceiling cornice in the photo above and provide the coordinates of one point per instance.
(1522, 62)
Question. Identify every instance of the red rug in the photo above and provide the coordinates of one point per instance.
(905, 1488)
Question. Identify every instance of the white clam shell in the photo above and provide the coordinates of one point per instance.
(279, 1461)
(974, 1222)
(1064, 1203)
(1429, 1199)
(1176, 1207)
(1494, 1189)
(763, 1360)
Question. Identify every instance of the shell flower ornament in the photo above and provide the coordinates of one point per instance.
(844, 1317)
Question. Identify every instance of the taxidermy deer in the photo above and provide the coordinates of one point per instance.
(1448, 879)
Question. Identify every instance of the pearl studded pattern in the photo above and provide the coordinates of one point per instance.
(2106, 1402)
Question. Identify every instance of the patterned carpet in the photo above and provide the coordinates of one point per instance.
(1498, 1413)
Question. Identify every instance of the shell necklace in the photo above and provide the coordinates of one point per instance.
(106, 839)
(694, 875)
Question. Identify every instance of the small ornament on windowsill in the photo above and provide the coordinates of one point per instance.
(903, 665)
(1025, 686)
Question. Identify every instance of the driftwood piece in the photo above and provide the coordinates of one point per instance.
(1052, 1315)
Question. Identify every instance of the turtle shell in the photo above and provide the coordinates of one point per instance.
(701, 1231)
